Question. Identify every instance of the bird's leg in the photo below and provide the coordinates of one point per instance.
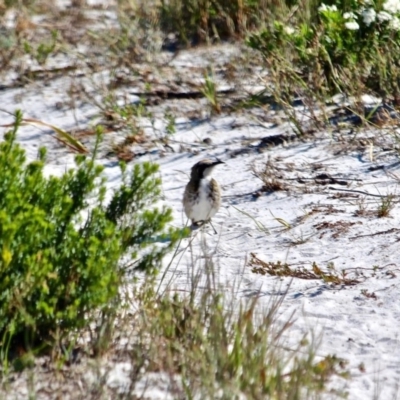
(215, 232)
(208, 221)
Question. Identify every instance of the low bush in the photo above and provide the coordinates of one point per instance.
(61, 245)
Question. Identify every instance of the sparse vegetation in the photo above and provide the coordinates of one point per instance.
(225, 349)
(68, 295)
(43, 50)
(210, 92)
(385, 206)
(271, 175)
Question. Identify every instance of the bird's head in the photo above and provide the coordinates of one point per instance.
(204, 168)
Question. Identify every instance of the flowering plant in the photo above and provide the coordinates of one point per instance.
(361, 26)
(350, 41)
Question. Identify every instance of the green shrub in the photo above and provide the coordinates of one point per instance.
(347, 47)
(61, 246)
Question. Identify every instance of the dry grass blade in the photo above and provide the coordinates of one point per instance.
(281, 221)
(62, 136)
(260, 225)
(280, 269)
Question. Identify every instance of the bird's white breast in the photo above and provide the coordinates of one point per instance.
(203, 209)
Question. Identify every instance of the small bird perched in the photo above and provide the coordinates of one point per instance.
(202, 197)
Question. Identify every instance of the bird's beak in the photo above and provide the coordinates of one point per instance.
(218, 161)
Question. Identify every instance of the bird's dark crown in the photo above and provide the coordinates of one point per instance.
(204, 167)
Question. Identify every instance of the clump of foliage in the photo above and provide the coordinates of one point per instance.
(348, 46)
(43, 50)
(198, 20)
(61, 245)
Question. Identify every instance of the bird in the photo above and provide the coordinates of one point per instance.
(202, 196)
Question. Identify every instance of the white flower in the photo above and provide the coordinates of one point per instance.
(352, 25)
(394, 24)
(392, 6)
(324, 7)
(349, 15)
(289, 30)
(369, 16)
(384, 16)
